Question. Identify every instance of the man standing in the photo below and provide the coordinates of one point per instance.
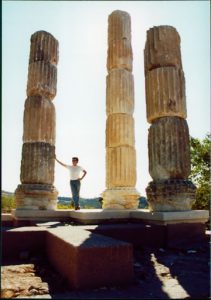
(75, 179)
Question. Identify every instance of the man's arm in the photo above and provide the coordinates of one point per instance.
(61, 163)
(83, 175)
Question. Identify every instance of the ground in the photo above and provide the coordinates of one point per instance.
(159, 274)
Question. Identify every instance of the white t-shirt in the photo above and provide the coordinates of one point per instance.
(75, 172)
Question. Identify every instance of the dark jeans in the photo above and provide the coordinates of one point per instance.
(75, 188)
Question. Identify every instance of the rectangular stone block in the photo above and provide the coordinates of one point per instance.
(42, 80)
(120, 130)
(162, 48)
(39, 120)
(120, 167)
(37, 165)
(89, 260)
(119, 26)
(165, 93)
(120, 55)
(168, 149)
(44, 47)
(119, 92)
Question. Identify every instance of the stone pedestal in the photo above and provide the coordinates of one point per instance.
(168, 139)
(36, 190)
(120, 138)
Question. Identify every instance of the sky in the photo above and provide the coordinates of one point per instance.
(81, 29)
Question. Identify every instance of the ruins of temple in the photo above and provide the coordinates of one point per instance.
(168, 139)
(120, 190)
(36, 190)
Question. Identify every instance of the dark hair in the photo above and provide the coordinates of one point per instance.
(75, 158)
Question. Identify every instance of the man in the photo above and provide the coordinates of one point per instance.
(75, 179)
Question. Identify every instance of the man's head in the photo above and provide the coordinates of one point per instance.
(74, 160)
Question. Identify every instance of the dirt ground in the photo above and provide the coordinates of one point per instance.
(158, 274)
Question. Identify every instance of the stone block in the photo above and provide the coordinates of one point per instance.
(120, 55)
(42, 80)
(39, 120)
(120, 167)
(119, 92)
(120, 130)
(165, 93)
(36, 196)
(37, 165)
(171, 195)
(119, 26)
(162, 48)
(90, 260)
(168, 149)
(24, 239)
(44, 47)
(120, 198)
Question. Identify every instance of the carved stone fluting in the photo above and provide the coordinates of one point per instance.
(120, 141)
(120, 130)
(162, 48)
(169, 151)
(44, 47)
(119, 26)
(37, 165)
(38, 150)
(168, 139)
(120, 55)
(120, 167)
(39, 120)
(165, 93)
(42, 79)
(119, 92)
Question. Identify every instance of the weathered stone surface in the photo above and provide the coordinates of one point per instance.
(171, 195)
(42, 79)
(119, 92)
(120, 55)
(37, 165)
(120, 198)
(39, 120)
(36, 196)
(165, 93)
(120, 140)
(169, 150)
(119, 26)
(162, 48)
(20, 281)
(120, 130)
(44, 47)
(120, 167)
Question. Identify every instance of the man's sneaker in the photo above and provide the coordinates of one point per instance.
(77, 208)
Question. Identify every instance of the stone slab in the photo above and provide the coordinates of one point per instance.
(89, 260)
(99, 216)
(175, 217)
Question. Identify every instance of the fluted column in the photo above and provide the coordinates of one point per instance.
(120, 139)
(36, 190)
(168, 139)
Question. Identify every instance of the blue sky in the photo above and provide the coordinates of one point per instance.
(81, 29)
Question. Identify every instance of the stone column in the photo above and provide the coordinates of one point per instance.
(168, 139)
(36, 190)
(120, 140)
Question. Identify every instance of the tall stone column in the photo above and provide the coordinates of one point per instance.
(36, 190)
(168, 139)
(120, 140)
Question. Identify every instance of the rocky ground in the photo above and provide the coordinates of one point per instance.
(159, 274)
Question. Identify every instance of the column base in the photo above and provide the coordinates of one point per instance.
(36, 196)
(171, 195)
(120, 198)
